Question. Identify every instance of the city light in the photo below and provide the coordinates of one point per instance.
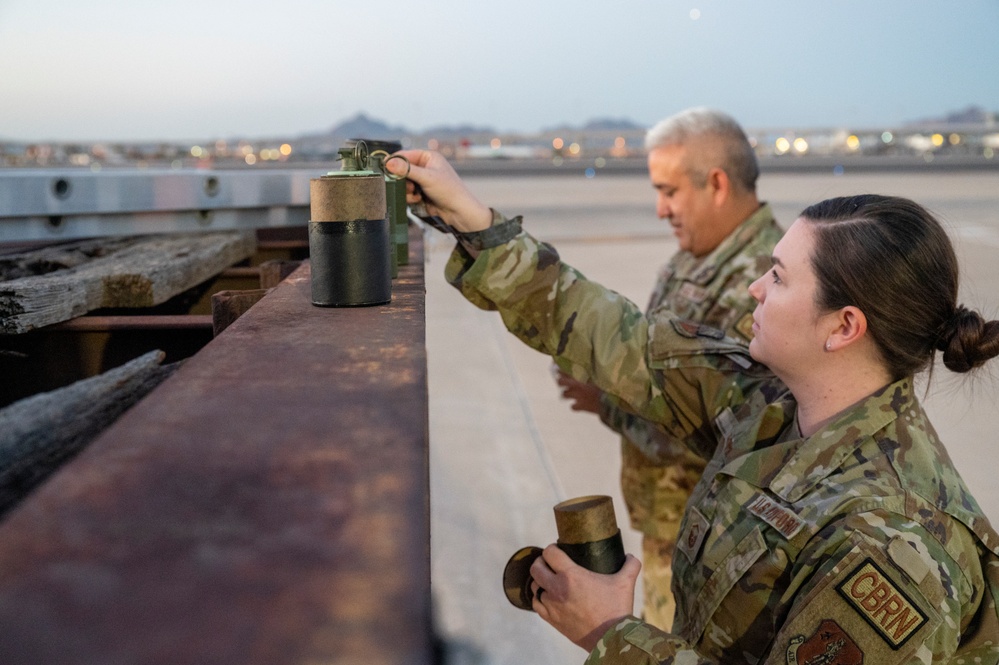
(285, 149)
(800, 145)
(196, 151)
(954, 139)
(782, 145)
(433, 144)
(495, 144)
(557, 143)
(853, 142)
(574, 149)
(937, 140)
(887, 137)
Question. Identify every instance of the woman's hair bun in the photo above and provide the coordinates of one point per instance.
(969, 341)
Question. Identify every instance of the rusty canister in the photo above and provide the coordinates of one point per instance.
(349, 240)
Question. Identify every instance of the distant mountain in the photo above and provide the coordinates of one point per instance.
(972, 115)
(611, 124)
(361, 126)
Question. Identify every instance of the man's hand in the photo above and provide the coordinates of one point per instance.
(584, 397)
(432, 181)
(581, 604)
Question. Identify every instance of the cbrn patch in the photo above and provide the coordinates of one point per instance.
(882, 604)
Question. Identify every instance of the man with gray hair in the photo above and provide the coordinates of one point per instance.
(704, 172)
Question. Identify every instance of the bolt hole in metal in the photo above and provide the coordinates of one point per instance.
(211, 186)
(61, 188)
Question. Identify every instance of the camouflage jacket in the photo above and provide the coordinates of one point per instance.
(712, 289)
(857, 544)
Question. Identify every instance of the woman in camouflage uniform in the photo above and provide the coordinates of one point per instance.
(830, 525)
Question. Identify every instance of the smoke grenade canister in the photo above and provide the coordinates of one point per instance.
(587, 532)
(349, 240)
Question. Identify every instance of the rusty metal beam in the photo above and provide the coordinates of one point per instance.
(268, 503)
(137, 322)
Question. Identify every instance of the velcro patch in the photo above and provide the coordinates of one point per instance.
(692, 329)
(828, 645)
(693, 534)
(693, 293)
(882, 604)
(779, 517)
(744, 326)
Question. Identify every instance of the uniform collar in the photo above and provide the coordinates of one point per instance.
(791, 466)
(703, 270)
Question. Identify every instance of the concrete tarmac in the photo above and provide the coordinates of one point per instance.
(505, 448)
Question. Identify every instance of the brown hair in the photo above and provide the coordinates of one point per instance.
(890, 257)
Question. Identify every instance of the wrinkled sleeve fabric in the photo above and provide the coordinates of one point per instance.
(598, 336)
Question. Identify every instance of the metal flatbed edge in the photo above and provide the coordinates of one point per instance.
(267, 504)
(42, 204)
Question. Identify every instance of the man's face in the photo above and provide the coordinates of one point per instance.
(689, 208)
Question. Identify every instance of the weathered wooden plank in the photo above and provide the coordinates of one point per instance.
(132, 272)
(39, 433)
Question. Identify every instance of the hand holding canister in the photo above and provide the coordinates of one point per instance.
(587, 532)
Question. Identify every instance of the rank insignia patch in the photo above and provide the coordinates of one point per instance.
(828, 645)
(745, 326)
(882, 604)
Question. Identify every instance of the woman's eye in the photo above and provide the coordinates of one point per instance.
(776, 277)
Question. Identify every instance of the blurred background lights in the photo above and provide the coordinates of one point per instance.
(285, 149)
(887, 137)
(695, 14)
(800, 145)
(937, 140)
(433, 144)
(196, 151)
(574, 149)
(557, 143)
(782, 145)
(954, 139)
(495, 144)
(853, 142)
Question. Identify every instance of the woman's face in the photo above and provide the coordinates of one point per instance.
(788, 329)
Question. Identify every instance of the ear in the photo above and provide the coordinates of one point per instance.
(721, 186)
(849, 328)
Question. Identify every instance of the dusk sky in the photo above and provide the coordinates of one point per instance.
(198, 69)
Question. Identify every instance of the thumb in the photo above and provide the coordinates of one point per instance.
(632, 566)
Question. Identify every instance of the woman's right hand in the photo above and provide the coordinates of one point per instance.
(440, 189)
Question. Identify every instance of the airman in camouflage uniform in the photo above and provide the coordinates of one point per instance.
(704, 172)
(658, 472)
(858, 544)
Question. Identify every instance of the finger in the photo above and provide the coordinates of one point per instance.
(541, 573)
(556, 560)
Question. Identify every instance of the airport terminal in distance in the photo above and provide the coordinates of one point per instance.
(967, 139)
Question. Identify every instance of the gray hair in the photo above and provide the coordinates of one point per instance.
(733, 154)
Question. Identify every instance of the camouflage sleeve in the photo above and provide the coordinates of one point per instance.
(632, 642)
(651, 438)
(598, 336)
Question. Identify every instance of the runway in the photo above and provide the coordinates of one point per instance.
(505, 448)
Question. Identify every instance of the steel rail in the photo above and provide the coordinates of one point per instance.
(269, 503)
(54, 204)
